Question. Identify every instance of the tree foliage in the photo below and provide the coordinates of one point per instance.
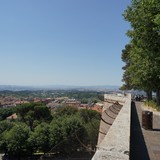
(70, 130)
(16, 139)
(5, 112)
(66, 110)
(73, 130)
(142, 58)
(39, 139)
(5, 126)
(33, 112)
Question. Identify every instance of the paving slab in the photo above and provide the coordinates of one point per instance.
(145, 144)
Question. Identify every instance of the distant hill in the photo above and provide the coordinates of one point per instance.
(57, 87)
(15, 88)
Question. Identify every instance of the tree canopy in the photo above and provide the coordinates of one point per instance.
(142, 54)
(66, 131)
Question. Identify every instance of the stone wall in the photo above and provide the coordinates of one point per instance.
(116, 143)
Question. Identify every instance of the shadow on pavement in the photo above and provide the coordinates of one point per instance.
(138, 149)
(155, 129)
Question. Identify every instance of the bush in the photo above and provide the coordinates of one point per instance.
(152, 104)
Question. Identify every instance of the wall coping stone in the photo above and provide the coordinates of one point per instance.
(116, 144)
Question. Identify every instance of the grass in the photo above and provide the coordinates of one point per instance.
(152, 104)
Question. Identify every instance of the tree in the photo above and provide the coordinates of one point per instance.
(23, 109)
(5, 112)
(66, 134)
(16, 139)
(126, 75)
(5, 126)
(42, 113)
(57, 138)
(39, 139)
(74, 133)
(84, 101)
(144, 54)
(91, 120)
(34, 113)
(157, 21)
(66, 110)
(87, 115)
(92, 129)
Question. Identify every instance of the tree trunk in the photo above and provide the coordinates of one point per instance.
(149, 95)
(158, 96)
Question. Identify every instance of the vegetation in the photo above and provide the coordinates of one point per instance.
(35, 130)
(5, 112)
(152, 104)
(16, 139)
(87, 96)
(142, 54)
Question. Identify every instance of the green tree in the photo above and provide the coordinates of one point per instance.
(23, 109)
(34, 113)
(84, 100)
(74, 133)
(16, 139)
(92, 129)
(66, 110)
(42, 113)
(126, 75)
(5, 126)
(57, 139)
(67, 134)
(144, 55)
(91, 121)
(5, 112)
(87, 115)
(39, 139)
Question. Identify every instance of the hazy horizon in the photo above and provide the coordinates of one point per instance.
(57, 85)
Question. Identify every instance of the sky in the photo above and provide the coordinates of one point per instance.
(69, 42)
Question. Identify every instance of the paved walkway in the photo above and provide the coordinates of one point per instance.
(1, 155)
(145, 144)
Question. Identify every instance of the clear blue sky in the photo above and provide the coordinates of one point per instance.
(70, 42)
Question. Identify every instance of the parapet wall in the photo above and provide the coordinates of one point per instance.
(113, 98)
(116, 144)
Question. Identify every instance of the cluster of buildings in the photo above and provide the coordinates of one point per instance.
(64, 101)
(9, 101)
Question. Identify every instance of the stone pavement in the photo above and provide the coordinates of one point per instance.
(1, 155)
(145, 144)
